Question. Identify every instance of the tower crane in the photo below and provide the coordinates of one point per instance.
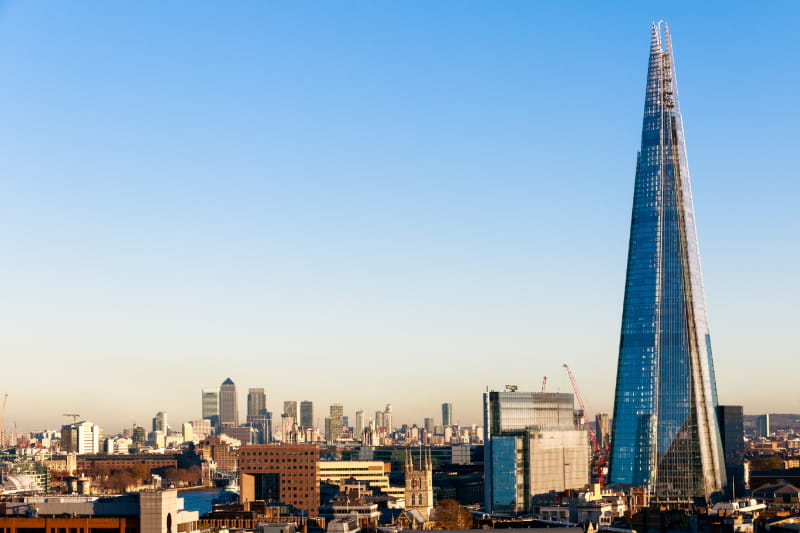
(75, 416)
(592, 434)
(601, 458)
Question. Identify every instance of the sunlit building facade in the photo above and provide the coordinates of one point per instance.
(536, 443)
(665, 435)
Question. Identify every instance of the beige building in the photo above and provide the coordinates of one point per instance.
(372, 472)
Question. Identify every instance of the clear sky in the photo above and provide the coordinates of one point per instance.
(374, 202)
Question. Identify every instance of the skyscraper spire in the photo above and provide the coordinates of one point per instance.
(665, 434)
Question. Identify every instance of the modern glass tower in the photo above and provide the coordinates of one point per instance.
(665, 433)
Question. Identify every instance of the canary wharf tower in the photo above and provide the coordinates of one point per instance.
(665, 434)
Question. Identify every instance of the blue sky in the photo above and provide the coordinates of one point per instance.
(373, 202)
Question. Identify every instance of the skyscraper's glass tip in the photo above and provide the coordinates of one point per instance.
(665, 435)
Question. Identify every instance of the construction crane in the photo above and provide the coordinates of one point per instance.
(2, 416)
(544, 383)
(590, 427)
(75, 416)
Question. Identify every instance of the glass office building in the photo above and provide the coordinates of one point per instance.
(536, 443)
(665, 434)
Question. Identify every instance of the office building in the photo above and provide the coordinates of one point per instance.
(762, 426)
(358, 433)
(160, 422)
(256, 403)
(290, 409)
(429, 426)
(665, 435)
(285, 473)
(228, 404)
(210, 399)
(81, 437)
(337, 423)
(387, 418)
(307, 414)
(535, 444)
(447, 414)
(374, 473)
(731, 428)
(603, 430)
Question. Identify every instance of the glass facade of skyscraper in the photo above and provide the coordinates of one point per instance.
(665, 434)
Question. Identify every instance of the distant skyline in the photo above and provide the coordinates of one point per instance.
(373, 203)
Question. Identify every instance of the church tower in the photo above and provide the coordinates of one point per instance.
(419, 484)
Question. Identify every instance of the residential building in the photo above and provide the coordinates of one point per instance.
(665, 435)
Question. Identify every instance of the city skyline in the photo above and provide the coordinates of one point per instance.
(281, 194)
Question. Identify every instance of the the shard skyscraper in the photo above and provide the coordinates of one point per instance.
(665, 433)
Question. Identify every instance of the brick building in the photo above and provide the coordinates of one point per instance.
(285, 473)
(121, 462)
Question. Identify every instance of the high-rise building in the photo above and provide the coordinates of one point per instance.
(211, 406)
(337, 422)
(256, 403)
(602, 424)
(665, 435)
(534, 444)
(731, 428)
(160, 422)
(762, 426)
(290, 409)
(447, 414)
(387, 418)
(306, 414)
(139, 436)
(228, 404)
(429, 426)
(358, 433)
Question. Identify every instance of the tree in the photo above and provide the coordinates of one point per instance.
(140, 471)
(448, 514)
(120, 480)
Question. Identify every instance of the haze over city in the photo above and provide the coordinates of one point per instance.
(373, 203)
